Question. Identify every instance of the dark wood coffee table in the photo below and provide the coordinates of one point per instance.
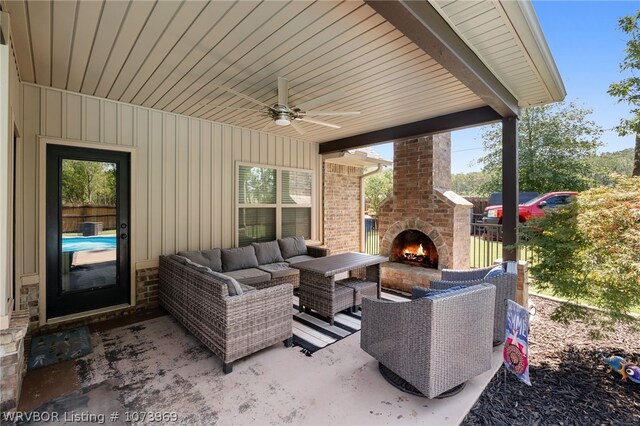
(320, 291)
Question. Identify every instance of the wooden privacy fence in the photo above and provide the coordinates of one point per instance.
(479, 204)
(73, 216)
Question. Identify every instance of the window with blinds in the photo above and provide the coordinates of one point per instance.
(273, 203)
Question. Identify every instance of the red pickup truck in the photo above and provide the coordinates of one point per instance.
(532, 208)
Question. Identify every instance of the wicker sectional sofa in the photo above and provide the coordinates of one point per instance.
(234, 316)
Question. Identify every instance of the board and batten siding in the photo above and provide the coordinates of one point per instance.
(185, 168)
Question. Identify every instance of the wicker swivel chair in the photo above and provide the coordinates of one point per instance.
(433, 344)
(505, 289)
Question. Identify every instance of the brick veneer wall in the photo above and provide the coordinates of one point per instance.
(12, 365)
(147, 288)
(146, 282)
(30, 302)
(341, 206)
(422, 200)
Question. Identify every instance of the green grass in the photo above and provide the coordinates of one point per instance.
(484, 252)
(372, 242)
(533, 288)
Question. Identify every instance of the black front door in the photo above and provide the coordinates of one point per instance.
(87, 236)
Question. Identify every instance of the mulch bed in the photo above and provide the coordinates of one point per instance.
(570, 382)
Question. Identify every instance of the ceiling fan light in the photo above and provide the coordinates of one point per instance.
(282, 120)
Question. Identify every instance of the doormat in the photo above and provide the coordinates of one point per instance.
(59, 346)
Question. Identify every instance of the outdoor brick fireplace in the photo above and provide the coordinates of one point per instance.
(414, 248)
(424, 226)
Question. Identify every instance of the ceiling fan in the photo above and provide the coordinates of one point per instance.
(283, 114)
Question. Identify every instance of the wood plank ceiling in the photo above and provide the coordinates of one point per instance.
(170, 55)
(486, 28)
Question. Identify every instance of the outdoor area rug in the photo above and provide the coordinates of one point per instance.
(59, 346)
(312, 332)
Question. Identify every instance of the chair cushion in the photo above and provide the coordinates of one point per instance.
(209, 258)
(279, 270)
(268, 252)
(239, 258)
(418, 292)
(180, 259)
(233, 286)
(292, 246)
(196, 266)
(302, 258)
(495, 272)
(249, 276)
(247, 288)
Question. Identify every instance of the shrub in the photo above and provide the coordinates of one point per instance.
(589, 252)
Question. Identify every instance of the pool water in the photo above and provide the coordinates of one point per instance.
(105, 242)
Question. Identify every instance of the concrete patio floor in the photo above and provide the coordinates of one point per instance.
(156, 365)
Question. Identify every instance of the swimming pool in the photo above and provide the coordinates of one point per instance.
(88, 243)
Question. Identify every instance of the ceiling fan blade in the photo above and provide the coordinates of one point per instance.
(242, 95)
(241, 109)
(325, 99)
(283, 91)
(298, 127)
(321, 123)
(306, 113)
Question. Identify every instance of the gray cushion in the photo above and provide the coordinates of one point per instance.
(279, 270)
(247, 288)
(196, 266)
(268, 252)
(249, 276)
(209, 258)
(234, 287)
(302, 258)
(292, 246)
(180, 259)
(239, 258)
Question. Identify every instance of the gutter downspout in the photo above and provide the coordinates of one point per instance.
(362, 220)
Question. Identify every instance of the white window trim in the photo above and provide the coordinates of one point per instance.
(278, 205)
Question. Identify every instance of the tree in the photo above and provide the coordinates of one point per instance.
(377, 188)
(88, 182)
(618, 162)
(588, 251)
(555, 143)
(628, 90)
(472, 184)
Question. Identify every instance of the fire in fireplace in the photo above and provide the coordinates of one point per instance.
(414, 248)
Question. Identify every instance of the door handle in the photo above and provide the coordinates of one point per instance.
(123, 236)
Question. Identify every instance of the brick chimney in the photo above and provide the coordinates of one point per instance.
(422, 200)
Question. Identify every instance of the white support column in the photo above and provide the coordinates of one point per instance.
(6, 282)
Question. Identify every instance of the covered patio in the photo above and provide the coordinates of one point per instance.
(193, 94)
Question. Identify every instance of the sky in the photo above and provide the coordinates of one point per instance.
(588, 47)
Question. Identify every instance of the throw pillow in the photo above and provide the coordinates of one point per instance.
(495, 272)
(239, 258)
(209, 258)
(233, 286)
(292, 246)
(268, 252)
(418, 292)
